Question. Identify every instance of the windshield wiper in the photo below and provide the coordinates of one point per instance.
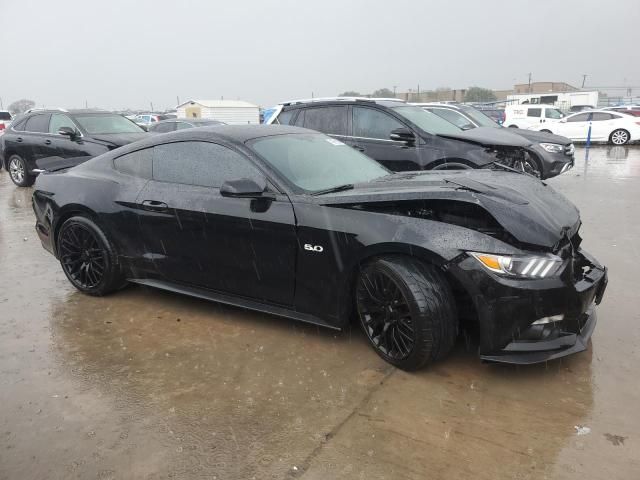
(339, 188)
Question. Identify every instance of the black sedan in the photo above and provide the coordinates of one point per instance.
(294, 223)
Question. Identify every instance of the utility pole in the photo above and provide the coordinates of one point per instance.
(177, 100)
(394, 90)
(151, 103)
(1, 105)
(529, 82)
(86, 104)
(584, 79)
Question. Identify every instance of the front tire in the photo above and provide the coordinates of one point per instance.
(407, 311)
(87, 257)
(19, 172)
(619, 137)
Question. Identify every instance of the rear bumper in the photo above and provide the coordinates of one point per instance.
(508, 310)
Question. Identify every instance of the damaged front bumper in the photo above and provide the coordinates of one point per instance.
(527, 321)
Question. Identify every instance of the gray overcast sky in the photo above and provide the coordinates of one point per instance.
(116, 53)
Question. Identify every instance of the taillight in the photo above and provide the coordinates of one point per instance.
(2, 126)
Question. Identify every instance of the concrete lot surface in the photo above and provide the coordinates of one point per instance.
(145, 384)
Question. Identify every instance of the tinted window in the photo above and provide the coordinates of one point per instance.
(5, 116)
(370, 123)
(19, 126)
(330, 120)
(300, 119)
(199, 163)
(137, 163)
(581, 117)
(601, 116)
(164, 127)
(58, 120)
(285, 117)
(38, 123)
(426, 121)
(534, 112)
(183, 125)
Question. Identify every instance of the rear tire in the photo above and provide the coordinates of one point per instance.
(19, 172)
(513, 126)
(87, 257)
(407, 310)
(619, 137)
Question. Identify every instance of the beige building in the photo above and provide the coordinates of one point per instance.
(543, 87)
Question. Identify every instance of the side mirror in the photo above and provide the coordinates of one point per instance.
(244, 188)
(564, 120)
(402, 135)
(72, 133)
(468, 126)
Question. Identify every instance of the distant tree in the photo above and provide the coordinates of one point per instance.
(478, 94)
(350, 93)
(21, 106)
(383, 93)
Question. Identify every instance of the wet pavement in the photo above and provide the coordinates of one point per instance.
(144, 384)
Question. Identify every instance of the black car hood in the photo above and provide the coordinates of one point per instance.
(119, 139)
(530, 210)
(540, 137)
(490, 137)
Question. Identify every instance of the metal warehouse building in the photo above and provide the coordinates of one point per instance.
(233, 112)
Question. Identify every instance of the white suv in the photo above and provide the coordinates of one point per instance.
(530, 115)
(5, 120)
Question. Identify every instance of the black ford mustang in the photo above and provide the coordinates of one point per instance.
(292, 222)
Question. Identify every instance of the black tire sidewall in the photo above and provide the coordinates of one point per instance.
(419, 355)
(28, 179)
(112, 278)
(619, 130)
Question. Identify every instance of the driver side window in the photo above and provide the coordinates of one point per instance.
(200, 163)
(371, 123)
(58, 120)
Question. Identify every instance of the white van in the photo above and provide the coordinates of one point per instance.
(529, 115)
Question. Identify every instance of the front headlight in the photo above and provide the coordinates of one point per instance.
(522, 266)
(552, 147)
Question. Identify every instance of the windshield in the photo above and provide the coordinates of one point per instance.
(480, 118)
(315, 162)
(5, 116)
(105, 124)
(427, 121)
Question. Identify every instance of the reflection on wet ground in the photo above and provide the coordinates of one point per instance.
(147, 384)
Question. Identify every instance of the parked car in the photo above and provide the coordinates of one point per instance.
(292, 222)
(61, 133)
(495, 113)
(525, 116)
(5, 119)
(606, 126)
(554, 154)
(165, 126)
(633, 110)
(580, 108)
(146, 120)
(405, 137)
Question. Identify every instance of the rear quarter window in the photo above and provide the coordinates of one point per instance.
(137, 164)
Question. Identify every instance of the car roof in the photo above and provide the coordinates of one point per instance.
(189, 120)
(238, 134)
(386, 102)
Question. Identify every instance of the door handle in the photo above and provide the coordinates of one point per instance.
(19, 139)
(154, 205)
(358, 147)
(47, 142)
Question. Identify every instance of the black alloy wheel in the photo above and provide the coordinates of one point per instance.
(87, 257)
(407, 310)
(385, 315)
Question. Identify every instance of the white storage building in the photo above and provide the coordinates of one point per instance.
(233, 112)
